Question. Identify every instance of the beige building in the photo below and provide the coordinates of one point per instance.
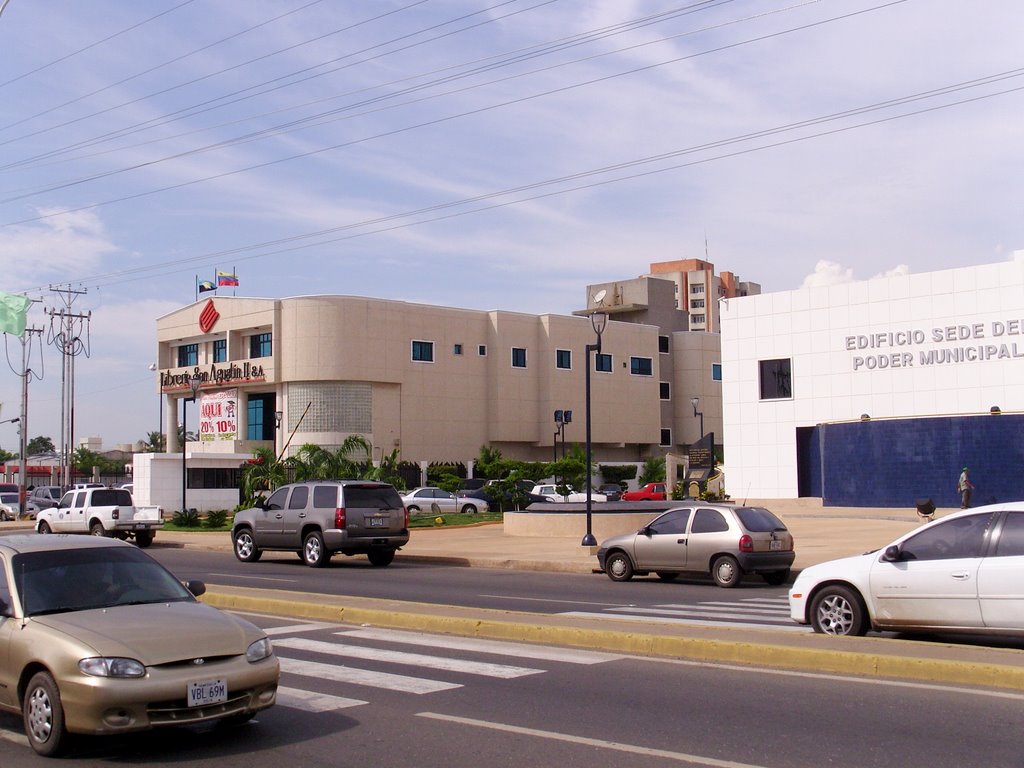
(698, 289)
(435, 383)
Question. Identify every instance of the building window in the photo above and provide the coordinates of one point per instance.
(666, 437)
(260, 410)
(696, 303)
(260, 345)
(663, 344)
(518, 357)
(699, 319)
(220, 350)
(641, 366)
(423, 351)
(664, 390)
(603, 362)
(563, 359)
(188, 354)
(716, 371)
(482, 350)
(697, 288)
(457, 349)
(775, 378)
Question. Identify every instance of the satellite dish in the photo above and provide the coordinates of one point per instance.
(599, 296)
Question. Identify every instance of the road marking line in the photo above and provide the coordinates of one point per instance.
(634, 749)
(711, 610)
(292, 628)
(496, 647)
(501, 671)
(691, 622)
(340, 674)
(717, 613)
(311, 701)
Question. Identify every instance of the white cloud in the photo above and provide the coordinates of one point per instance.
(827, 273)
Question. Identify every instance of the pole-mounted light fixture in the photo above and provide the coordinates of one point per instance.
(599, 321)
(695, 401)
(194, 384)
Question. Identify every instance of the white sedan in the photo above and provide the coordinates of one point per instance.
(961, 573)
(9, 507)
(550, 491)
(424, 499)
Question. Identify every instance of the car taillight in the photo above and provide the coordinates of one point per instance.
(746, 543)
(116, 514)
(406, 510)
(339, 518)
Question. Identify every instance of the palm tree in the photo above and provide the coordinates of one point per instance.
(386, 471)
(314, 462)
(155, 442)
(263, 473)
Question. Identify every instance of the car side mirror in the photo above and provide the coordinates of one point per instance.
(645, 531)
(196, 587)
(892, 554)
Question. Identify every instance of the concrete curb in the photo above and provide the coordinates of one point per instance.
(845, 656)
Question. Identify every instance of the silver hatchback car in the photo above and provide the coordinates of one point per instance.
(721, 539)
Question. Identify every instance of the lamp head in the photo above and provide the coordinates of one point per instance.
(599, 320)
(195, 383)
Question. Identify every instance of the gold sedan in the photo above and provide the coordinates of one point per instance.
(96, 637)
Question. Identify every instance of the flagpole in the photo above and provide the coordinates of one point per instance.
(197, 288)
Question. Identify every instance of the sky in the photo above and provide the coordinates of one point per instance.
(486, 154)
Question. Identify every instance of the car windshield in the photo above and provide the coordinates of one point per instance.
(8, 498)
(63, 580)
(759, 520)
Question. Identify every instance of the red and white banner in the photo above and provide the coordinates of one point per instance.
(218, 415)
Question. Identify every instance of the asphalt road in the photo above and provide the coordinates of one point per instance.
(753, 603)
(356, 696)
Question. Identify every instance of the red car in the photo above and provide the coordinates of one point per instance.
(649, 492)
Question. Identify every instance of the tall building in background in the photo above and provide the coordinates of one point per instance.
(698, 289)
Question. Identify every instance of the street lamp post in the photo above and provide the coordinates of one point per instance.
(694, 401)
(194, 383)
(598, 320)
(159, 447)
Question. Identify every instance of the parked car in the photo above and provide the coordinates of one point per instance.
(647, 492)
(550, 492)
(423, 500)
(130, 487)
(486, 494)
(9, 507)
(101, 647)
(720, 539)
(45, 496)
(611, 491)
(9, 488)
(960, 573)
(321, 517)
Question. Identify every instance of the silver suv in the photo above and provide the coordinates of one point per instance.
(721, 539)
(321, 517)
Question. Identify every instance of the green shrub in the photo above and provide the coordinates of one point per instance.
(186, 518)
(216, 519)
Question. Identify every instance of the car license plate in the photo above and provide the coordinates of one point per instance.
(775, 544)
(209, 692)
(378, 522)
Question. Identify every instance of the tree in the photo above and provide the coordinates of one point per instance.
(84, 460)
(155, 442)
(40, 445)
(653, 471)
(6, 456)
(263, 473)
(314, 462)
(386, 471)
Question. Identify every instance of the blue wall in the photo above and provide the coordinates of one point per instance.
(892, 463)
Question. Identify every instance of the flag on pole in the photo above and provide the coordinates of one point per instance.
(226, 279)
(13, 313)
(206, 285)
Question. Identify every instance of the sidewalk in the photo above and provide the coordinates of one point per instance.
(821, 534)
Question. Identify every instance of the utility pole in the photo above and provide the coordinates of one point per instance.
(25, 373)
(67, 330)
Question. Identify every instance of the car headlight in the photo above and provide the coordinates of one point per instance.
(107, 666)
(258, 650)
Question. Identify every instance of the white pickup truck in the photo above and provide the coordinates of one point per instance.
(101, 512)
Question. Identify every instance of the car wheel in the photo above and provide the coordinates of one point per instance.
(838, 610)
(314, 553)
(143, 539)
(44, 527)
(726, 571)
(44, 715)
(413, 509)
(775, 578)
(469, 509)
(97, 529)
(245, 546)
(618, 567)
(4, 516)
(381, 557)
(668, 575)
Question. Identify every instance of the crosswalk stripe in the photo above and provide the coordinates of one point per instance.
(485, 669)
(311, 701)
(791, 627)
(291, 629)
(496, 647)
(341, 674)
(691, 612)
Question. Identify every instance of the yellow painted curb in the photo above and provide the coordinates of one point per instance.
(712, 650)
